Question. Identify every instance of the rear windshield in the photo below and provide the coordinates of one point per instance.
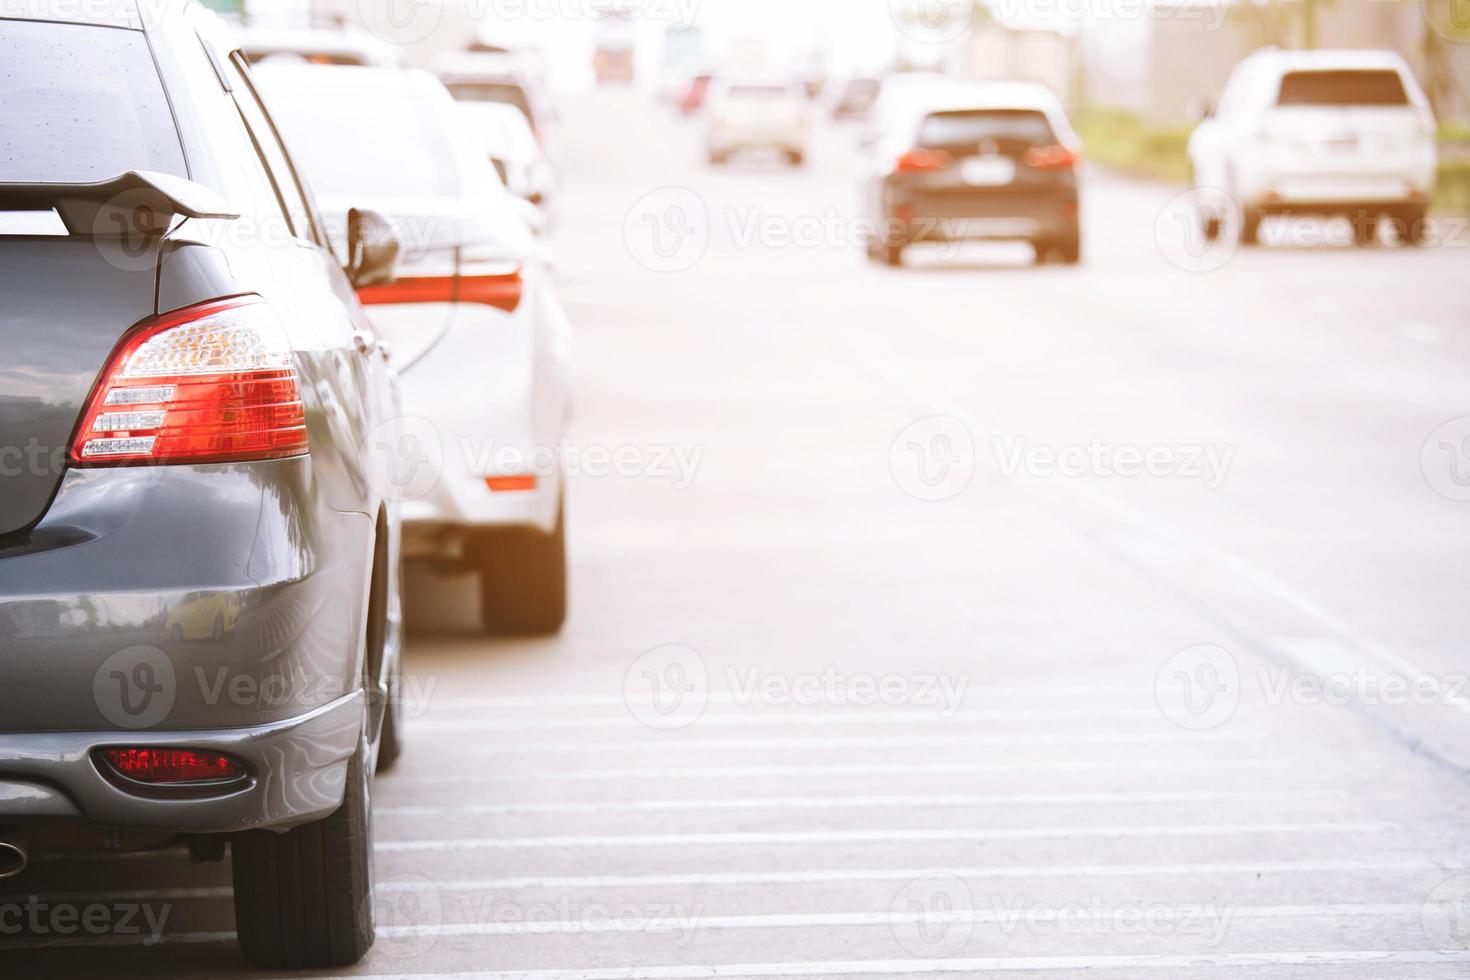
(971, 127)
(1378, 87)
(364, 143)
(81, 103)
(506, 92)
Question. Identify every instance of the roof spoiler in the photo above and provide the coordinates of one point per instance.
(135, 203)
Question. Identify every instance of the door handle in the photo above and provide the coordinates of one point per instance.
(364, 341)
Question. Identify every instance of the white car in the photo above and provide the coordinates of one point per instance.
(511, 147)
(757, 115)
(1320, 132)
(473, 322)
(347, 46)
(502, 78)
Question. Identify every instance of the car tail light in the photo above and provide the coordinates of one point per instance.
(212, 383)
(173, 766)
(493, 283)
(1055, 157)
(922, 161)
(504, 484)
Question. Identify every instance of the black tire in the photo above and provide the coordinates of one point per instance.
(892, 255)
(1365, 228)
(1250, 226)
(523, 580)
(717, 159)
(1070, 249)
(1412, 227)
(304, 899)
(795, 158)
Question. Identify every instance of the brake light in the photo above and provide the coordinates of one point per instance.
(173, 766)
(498, 287)
(505, 484)
(921, 161)
(212, 383)
(1055, 157)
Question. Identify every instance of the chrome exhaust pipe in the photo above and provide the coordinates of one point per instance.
(15, 851)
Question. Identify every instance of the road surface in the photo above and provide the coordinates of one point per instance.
(968, 618)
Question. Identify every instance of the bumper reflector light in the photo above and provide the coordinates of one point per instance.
(173, 766)
(502, 484)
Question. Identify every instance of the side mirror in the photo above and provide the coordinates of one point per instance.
(372, 248)
(537, 198)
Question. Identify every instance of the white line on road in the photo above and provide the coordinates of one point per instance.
(682, 740)
(817, 877)
(987, 964)
(606, 700)
(850, 802)
(885, 836)
(869, 769)
(776, 719)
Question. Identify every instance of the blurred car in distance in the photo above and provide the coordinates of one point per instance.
(489, 77)
(995, 161)
(856, 100)
(695, 93)
(347, 46)
(512, 150)
(216, 519)
(1346, 132)
(755, 115)
(477, 331)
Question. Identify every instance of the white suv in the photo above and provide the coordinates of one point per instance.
(1320, 132)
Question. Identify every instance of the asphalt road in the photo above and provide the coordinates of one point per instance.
(971, 617)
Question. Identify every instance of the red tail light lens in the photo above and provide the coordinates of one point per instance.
(498, 287)
(921, 161)
(1056, 157)
(173, 766)
(212, 383)
(507, 484)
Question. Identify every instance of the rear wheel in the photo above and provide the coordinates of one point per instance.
(795, 158)
(892, 255)
(1365, 228)
(1250, 226)
(523, 580)
(304, 899)
(1411, 226)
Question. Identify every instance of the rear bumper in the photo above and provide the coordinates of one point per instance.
(915, 212)
(297, 772)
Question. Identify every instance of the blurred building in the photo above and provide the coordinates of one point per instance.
(992, 51)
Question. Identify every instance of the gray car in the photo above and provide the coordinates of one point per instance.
(199, 606)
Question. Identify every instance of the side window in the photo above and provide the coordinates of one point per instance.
(272, 154)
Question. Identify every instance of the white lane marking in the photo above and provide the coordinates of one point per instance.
(986, 964)
(817, 877)
(1272, 586)
(885, 836)
(725, 698)
(1188, 912)
(774, 719)
(1077, 737)
(866, 769)
(850, 802)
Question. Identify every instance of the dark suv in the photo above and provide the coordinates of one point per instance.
(199, 612)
